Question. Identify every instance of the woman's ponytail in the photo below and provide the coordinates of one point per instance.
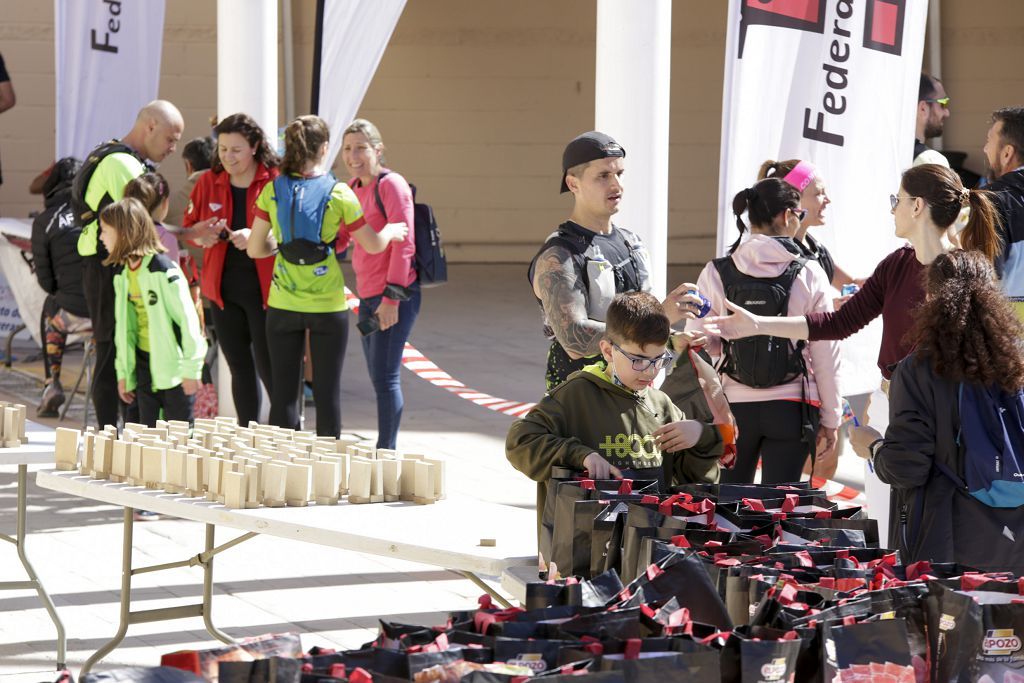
(982, 230)
(740, 203)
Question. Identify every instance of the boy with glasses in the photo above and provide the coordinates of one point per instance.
(609, 419)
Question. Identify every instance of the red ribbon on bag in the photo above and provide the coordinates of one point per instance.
(626, 487)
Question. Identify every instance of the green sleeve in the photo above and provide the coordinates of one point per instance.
(538, 442)
(125, 336)
(346, 207)
(179, 305)
(110, 177)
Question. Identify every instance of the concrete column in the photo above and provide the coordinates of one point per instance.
(246, 82)
(634, 45)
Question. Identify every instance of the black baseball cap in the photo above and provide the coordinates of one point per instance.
(588, 147)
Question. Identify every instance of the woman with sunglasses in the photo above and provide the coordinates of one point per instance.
(927, 204)
(790, 415)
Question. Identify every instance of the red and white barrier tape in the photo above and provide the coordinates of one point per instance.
(424, 368)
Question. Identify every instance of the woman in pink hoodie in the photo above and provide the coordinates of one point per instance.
(784, 395)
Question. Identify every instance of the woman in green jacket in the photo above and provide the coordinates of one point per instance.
(158, 341)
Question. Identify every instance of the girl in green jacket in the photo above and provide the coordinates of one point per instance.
(158, 340)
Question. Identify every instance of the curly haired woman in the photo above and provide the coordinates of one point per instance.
(966, 333)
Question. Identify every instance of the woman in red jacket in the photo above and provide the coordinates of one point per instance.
(388, 290)
(220, 215)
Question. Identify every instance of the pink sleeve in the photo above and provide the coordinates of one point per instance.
(824, 355)
(396, 195)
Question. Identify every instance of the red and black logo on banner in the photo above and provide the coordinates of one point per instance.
(883, 22)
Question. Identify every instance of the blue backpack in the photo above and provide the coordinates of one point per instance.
(992, 437)
(301, 203)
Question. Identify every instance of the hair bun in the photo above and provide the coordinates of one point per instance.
(965, 197)
(751, 194)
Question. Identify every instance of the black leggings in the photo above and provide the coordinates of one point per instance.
(241, 328)
(328, 337)
(772, 431)
(98, 282)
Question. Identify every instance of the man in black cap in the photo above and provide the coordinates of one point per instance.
(588, 260)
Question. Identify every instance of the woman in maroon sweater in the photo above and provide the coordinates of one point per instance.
(929, 200)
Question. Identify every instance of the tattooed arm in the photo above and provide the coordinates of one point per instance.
(561, 291)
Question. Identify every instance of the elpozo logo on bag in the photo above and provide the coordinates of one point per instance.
(774, 670)
(531, 660)
(1000, 642)
(947, 622)
(882, 31)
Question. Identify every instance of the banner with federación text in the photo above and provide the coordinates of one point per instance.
(108, 67)
(833, 82)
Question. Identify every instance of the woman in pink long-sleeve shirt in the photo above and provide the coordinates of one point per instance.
(777, 424)
(388, 290)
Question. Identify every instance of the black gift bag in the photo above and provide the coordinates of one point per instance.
(269, 670)
(683, 577)
(865, 651)
(755, 658)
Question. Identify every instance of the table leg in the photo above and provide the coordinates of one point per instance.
(501, 600)
(208, 590)
(40, 589)
(126, 594)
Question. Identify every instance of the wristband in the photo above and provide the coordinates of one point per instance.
(397, 292)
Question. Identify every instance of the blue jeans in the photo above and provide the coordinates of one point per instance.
(383, 350)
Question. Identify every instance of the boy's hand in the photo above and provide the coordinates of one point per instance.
(599, 468)
(126, 396)
(678, 436)
(190, 386)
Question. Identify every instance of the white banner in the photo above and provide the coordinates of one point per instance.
(833, 82)
(108, 67)
(351, 38)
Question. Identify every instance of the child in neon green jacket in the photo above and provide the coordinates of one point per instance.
(158, 340)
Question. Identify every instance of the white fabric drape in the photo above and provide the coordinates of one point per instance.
(108, 67)
(355, 34)
(833, 82)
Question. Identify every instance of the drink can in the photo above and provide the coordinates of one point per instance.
(705, 306)
(849, 289)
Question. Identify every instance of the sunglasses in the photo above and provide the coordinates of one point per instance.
(941, 101)
(641, 364)
(894, 200)
(799, 213)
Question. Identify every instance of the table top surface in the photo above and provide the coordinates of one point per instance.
(38, 450)
(445, 534)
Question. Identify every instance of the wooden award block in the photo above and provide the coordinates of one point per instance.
(440, 478)
(215, 475)
(407, 478)
(253, 486)
(21, 423)
(85, 465)
(153, 466)
(423, 486)
(326, 482)
(391, 470)
(298, 485)
(359, 477)
(65, 446)
(193, 476)
(175, 481)
(135, 464)
(102, 449)
(376, 481)
(12, 431)
(234, 490)
(119, 461)
(275, 476)
(387, 454)
(414, 456)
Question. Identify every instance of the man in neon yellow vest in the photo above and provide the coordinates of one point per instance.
(154, 136)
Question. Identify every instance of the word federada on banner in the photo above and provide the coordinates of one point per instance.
(883, 31)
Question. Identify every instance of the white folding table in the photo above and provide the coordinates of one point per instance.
(445, 534)
(38, 451)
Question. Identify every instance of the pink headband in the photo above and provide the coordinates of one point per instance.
(801, 175)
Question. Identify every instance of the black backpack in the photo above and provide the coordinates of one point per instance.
(431, 263)
(761, 361)
(82, 211)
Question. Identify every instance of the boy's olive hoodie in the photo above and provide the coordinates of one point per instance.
(590, 413)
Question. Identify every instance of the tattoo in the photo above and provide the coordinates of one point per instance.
(564, 298)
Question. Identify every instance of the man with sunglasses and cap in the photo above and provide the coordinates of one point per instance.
(588, 260)
(932, 112)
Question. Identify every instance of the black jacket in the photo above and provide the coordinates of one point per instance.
(1008, 194)
(930, 518)
(55, 252)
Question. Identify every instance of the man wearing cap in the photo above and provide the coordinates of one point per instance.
(588, 260)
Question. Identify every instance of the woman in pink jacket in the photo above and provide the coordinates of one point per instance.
(784, 395)
(389, 292)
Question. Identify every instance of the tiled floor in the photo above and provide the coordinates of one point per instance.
(483, 328)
